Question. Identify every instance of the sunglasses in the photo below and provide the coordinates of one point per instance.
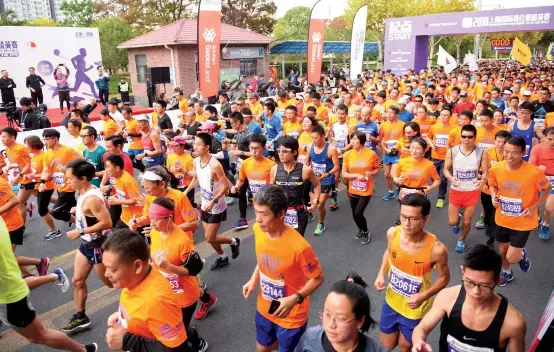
(283, 150)
(84, 135)
(467, 137)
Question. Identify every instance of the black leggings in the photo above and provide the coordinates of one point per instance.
(115, 213)
(488, 209)
(43, 201)
(192, 334)
(66, 201)
(243, 201)
(63, 95)
(358, 205)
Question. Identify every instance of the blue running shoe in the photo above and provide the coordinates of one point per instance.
(506, 277)
(460, 246)
(544, 232)
(456, 228)
(525, 262)
(389, 196)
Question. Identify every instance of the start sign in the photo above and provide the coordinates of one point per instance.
(502, 44)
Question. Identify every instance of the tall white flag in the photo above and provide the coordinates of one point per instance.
(446, 60)
(357, 43)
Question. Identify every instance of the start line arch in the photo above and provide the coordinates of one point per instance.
(407, 38)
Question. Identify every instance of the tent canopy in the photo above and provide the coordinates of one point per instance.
(301, 47)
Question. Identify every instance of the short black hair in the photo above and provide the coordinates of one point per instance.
(360, 135)
(105, 112)
(317, 128)
(468, 113)
(342, 107)
(518, 142)
(288, 142)
(395, 109)
(270, 105)
(116, 140)
(165, 202)
(81, 168)
(91, 131)
(206, 138)
(527, 106)
(487, 113)
(10, 131)
(469, 128)
(75, 123)
(483, 258)
(128, 245)
(257, 138)
(419, 201)
(162, 103)
(211, 109)
(548, 131)
(293, 108)
(25, 101)
(237, 116)
(77, 112)
(51, 133)
(274, 197)
(116, 160)
(503, 134)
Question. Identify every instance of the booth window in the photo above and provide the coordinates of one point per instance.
(140, 62)
(248, 67)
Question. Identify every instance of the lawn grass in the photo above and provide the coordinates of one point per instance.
(114, 81)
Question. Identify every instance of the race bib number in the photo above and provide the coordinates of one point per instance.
(359, 185)
(466, 175)
(404, 284)
(455, 345)
(527, 149)
(239, 164)
(405, 191)
(540, 123)
(340, 144)
(181, 179)
(293, 135)
(291, 218)
(441, 140)
(255, 186)
(14, 171)
(174, 282)
(551, 179)
(120, 194)
(392, 143)
(58, 178)
(319, 169)
(272, 289)
(270, 146)
(484, 145)
(511, 206)
(206, 195)
(122, 321)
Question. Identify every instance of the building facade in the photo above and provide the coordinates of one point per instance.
(30, 9)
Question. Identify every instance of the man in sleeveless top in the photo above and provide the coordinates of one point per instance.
(292, 175)
(93, 224)
(461, 167)
(209, 174)
(151, 142)
(525, 127)
(474, 317)
(410, 258)
(339, 136)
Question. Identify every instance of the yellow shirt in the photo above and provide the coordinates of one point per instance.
(201, 117)
(132, 127)
(181, 161)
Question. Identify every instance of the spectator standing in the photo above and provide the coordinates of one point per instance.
(62, 86)
(35, 83)
(123, 89)
(102, 84)
(6, 88)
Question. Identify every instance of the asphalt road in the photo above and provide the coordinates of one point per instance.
(230, 324)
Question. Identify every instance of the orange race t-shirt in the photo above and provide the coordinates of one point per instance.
(494, 156)
(183, 161)
(439, 133)
(391, 132)
(125, 188)
(55, 161)
(485, 138)
(19, 158)
(292, 128)
(37, 165)
(183, 212)
(425, 124)
(416, 174)
(150, 310)
(132, 127)
(517, 193)
(285, 265)
(12, 217)
(257, 173)
(110, 127)
(304, 144)
(455, 137)
(355, 162)
(176, 248)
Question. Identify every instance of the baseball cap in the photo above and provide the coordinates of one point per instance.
(506, 91)
(402, 101)
(208, 125)
(527, 93)
(143, 118)
(339, 101)
(151, 176)
(518, 80)
(253, 95)
(463, 94)
(369, 99)
(178, 140)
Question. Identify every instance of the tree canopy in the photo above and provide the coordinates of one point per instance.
(78, 13)
(293, 25)
(255, 15)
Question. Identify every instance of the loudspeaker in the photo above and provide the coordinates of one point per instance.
(159, 75)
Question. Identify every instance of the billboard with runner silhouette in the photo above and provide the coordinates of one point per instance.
(44, 48)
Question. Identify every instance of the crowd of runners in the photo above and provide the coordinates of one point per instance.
(456, 140)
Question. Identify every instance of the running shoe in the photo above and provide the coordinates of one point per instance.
(91, 347)
(397, 192)
(42, 267)
(333, 206)
(51, 235)
(366, 237)
(359, 235)
(460, 246)
(62, 280)
(319, 230)
(229, 200)
(335, 196)
(235, 248)
(481, 223)
(205, 308)
(241, 224)
(203, 346)
(440, 203)
(525, 262)
(544, 233)
(310, 217)
(31, 208)
(389, 195)
(456, 228)
(76, 323)
(506, 277)
(219, 263)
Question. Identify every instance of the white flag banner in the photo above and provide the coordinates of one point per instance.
(446, 60)
(473, 64)
(357, 43)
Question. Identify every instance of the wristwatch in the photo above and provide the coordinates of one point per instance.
(81, 232)
(299, 298)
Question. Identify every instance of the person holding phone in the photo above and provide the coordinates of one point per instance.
(62, 86)
(288, 271)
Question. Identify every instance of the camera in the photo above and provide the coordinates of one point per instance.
(9, 109)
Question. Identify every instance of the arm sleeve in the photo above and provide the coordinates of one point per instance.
(137, 343)
(41, 80)
(13, 83)
(309, 262)
(27, 83)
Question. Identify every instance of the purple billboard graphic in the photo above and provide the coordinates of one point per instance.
(407, 38)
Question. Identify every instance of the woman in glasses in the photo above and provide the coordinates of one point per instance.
(411, 131)
(345, 318)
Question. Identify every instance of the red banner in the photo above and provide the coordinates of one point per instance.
(209, 38)
(316, 38)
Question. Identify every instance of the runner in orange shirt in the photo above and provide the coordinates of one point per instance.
(390, 132)
(486, 132)
(454, 138)
(542, 156)
(293, 126)
(173, 255)
(159, 324)
(437, 137)
(110, 126)
(410, 131)
(287, 270)
(517, 201)
(360, 166)
(180, 165)
(424, 120)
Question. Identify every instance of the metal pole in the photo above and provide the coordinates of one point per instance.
(283, 67)
(477, 36)
(300, 60)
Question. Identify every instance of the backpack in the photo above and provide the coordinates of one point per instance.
(44, 122)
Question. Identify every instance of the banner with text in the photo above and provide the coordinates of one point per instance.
(209, 38)
(79, 52)
(357, 42)
(316, 38)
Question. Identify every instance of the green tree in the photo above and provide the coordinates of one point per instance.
(149, 13)
(113, 31)
(78, 13)
(41, 22)
(255, 15)
(294, 24)
(8, 18)
(338, 30)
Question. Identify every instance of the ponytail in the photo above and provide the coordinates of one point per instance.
(354, 287)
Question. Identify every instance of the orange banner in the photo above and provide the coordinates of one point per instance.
(209, 53)
(316, 38)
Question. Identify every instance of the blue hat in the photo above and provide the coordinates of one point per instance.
(369, 99)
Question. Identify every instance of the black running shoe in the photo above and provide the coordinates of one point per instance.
(219, 263)
(366, 237)
(235, 249)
